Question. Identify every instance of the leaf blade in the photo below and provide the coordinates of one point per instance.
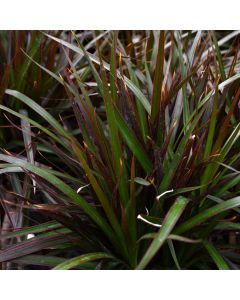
(167, 226)
(76, 261)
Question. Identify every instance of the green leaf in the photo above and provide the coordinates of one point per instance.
(142, 181)
(158, 79)
(174, 237)
(219, 200)
(139, 95)
(52, 225)
(34, 47)
(219, 57)
(168, 224)
(10, 168)
(133, 143)
(227, 226)
(173, 253)
(216, 256)
(208, 213)
(53, 75)
(82, 259)
(194, 46)
(38, 109)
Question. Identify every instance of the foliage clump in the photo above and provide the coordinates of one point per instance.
(120, 150)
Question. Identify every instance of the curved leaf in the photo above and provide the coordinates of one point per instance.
(82, 259)
(208, 213)
(168, 224)
(216, 256)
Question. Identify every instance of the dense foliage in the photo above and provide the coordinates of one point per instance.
(119, 150)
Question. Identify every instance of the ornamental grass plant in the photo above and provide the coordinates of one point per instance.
(120, 150)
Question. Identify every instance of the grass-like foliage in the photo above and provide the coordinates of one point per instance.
(120, 150)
